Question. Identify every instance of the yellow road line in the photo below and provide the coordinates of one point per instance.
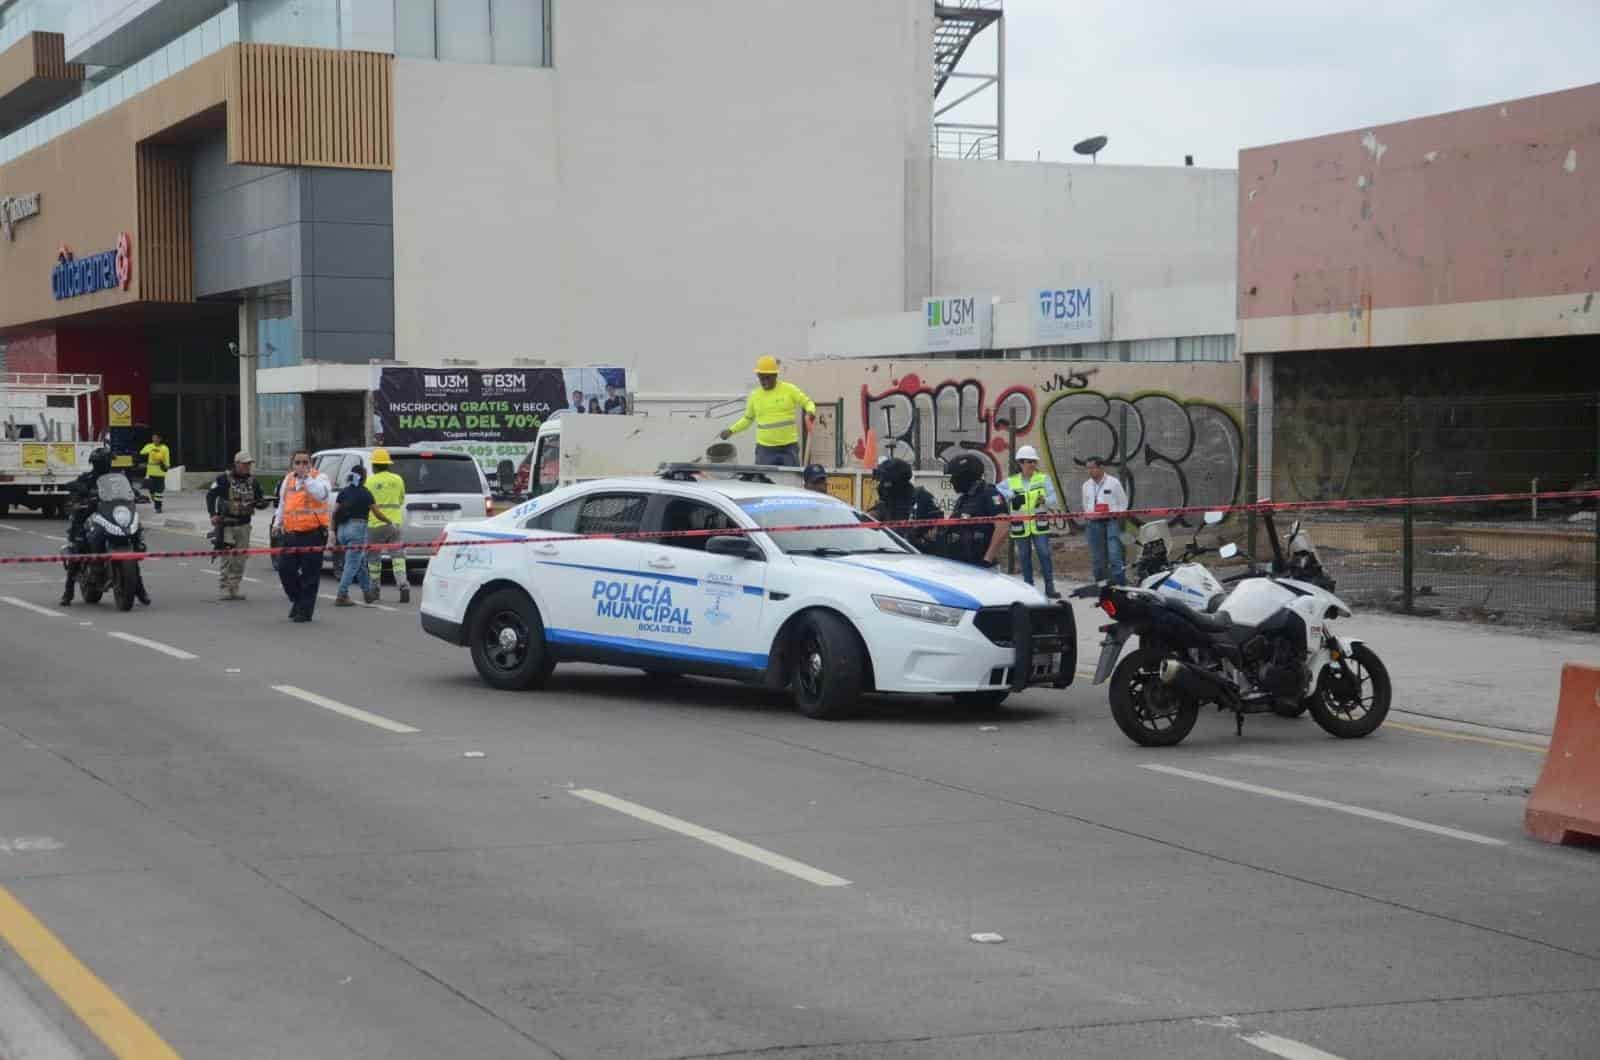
(101, 1010)
(1444, 734)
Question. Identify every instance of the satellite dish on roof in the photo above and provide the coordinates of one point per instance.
(1091, 147)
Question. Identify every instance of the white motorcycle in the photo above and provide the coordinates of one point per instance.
(1266, 646)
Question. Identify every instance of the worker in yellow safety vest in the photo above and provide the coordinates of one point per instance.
(1031, 493)
(389, 490)
(772, 407)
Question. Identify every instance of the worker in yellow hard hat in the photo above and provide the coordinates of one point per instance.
(772, 407)
(385, 525)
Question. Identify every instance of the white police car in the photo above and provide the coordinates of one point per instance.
(828, 614)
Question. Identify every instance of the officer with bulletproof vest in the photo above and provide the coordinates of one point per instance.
(900, 499)
(80, 503)
(234, 497)
(980, 543)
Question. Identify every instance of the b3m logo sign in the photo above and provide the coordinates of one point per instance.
(1072, 314)
(1074, 303)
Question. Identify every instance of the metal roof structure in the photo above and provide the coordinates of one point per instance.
(956, 24)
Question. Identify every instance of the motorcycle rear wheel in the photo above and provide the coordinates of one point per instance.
(1148, 712)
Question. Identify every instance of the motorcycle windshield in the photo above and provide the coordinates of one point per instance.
(114, 487)
(1301, 542)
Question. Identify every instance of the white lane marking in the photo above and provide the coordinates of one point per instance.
(52, 537)
(8, 526)
(153, 645)
(27, 844)
(798, 869)
(256, 581)
(1287, 1048)
(1326, 804)
(35, 608)
(340, 708)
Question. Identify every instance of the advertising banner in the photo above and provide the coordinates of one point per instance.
(493, 414)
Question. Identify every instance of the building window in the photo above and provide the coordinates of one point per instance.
(503, 32)
(1150, 351)
(281, 429)
(277, 331)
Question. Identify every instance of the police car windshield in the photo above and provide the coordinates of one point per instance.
(772, 512)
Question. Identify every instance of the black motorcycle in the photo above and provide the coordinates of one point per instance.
(111, 525)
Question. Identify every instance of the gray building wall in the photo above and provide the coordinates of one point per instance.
(324, 235)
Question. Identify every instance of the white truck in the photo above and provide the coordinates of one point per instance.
(43, 418)
(576, 448)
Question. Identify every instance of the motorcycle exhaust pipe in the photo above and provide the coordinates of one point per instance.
(1201, 684)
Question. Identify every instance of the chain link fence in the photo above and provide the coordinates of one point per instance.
(1522, 562)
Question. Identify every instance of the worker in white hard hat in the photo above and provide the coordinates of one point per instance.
(1032, 493)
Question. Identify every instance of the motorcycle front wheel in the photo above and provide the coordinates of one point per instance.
(124, 582)
(1148, 712)
(1351, 700)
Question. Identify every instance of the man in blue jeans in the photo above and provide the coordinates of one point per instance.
(1104, 495)
(351, 510)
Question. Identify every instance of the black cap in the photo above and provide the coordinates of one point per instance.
(814, 473)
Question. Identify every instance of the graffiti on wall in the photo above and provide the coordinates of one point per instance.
(1169, 452)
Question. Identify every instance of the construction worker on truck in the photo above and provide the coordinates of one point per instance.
(383, 525)
(772, 407)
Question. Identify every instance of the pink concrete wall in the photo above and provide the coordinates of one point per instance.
(1496, 202)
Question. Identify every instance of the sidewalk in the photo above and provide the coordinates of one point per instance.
(1459, 671)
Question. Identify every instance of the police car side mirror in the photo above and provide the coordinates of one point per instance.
(734, 545)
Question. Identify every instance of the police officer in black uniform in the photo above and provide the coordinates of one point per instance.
(981, 543)
(900, 499)
(81, 502)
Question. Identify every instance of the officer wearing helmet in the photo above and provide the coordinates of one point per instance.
(900, 499)
(772, 407)
(981, 543)
(815, 477)
(82, 498)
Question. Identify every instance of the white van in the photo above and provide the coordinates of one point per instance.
(441, 487)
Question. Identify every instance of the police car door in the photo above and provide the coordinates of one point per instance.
(716, 599)
(592, 583)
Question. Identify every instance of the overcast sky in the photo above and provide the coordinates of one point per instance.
(1165, 78)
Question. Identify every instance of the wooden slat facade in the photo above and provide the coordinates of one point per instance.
(311, 107)
(164, 254)
(50, 58)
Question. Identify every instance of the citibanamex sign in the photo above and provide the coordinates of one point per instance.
(14, 208)
(106, 271)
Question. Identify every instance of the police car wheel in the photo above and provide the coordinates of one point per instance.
(507, 641)
(827, 666)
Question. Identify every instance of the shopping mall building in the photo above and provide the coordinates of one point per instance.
(231, 209)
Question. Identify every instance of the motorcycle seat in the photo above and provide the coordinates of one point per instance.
(1220, 622)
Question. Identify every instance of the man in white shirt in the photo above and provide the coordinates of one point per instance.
(1102, 493)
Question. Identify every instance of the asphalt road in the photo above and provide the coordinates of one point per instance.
(618, 867)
